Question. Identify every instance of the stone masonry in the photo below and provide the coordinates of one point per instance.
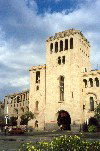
(66, 83)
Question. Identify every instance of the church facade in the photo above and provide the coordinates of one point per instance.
(66, 90)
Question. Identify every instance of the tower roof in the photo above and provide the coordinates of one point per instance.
(67, 33)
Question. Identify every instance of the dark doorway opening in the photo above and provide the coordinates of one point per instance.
(64, 120)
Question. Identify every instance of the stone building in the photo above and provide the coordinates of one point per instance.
(1, 108)
(66, 90)
(16, 104)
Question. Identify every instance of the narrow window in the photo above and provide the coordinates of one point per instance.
(56, 46)
(97, 82)
(37, 76)
(36, 123)
(51, 47)
(63, 59)
(85, 70)
(66, 44)
(18, 99)
(61, 45)
(61, 88)
(85, 82)
(83, 106)
(91, 104)
(37, 88)
(91, 82)
(23, 96)
(59, 60)
(71, 43)
(26, 96)
(36, 105)
(72, 95)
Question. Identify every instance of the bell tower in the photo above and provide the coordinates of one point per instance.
(67, 57)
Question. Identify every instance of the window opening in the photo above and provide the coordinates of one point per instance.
(91, 82)
(59, 60)
(36, 105)
(66, 44)
(56, 46)
(97, 82)
(85, 70)
(61, 88)
(72, 95)
(91, 104)
(51, 47)
(61, 45)
(37, 88)
(83, 106)
(18, 99)
(71, 43)
(85, 82)
(37, 76)
(36, 123)
(63, 59)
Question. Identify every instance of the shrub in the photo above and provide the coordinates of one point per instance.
(63, 143)
(93, 121)
(92, 128)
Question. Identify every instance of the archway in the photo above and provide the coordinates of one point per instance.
(64, 120)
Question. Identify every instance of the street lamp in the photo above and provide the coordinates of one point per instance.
(6, 117)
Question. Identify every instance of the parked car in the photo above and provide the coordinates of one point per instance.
(16, 131)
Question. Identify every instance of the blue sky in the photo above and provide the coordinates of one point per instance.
(26, 24)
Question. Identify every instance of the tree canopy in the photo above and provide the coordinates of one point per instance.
(26, 117)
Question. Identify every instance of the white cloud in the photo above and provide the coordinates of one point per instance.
(19, 82)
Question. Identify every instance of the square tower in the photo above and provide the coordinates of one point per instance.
(67, 57)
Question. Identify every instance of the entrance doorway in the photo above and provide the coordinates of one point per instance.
(64, 120)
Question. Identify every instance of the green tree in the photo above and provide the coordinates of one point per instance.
(97, 113)
(26, 117)
(13, 121)
(2, 120)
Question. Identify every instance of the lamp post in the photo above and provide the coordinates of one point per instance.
(6, 117)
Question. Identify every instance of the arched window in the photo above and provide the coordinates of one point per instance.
(85, 82)
(61, 45)
(91, 82)
(97, 82)
(59, 60)
(56, 46)
(71, 43)
(61, 82)
(51, 47)
(91, 104)
(36, 105)
(66, 44)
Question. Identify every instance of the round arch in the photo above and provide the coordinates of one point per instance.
(64, 120)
